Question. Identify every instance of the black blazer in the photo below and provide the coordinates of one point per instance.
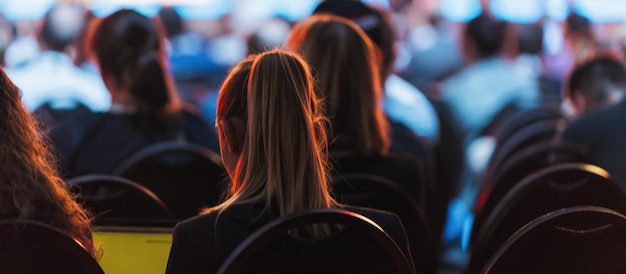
(201, 244)
(97, 142)
(603, 134)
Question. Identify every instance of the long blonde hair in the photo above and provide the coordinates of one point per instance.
(344, 60)
(30, 188)
(283, 149)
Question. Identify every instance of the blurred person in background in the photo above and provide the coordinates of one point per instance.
(403, 103)
(344, 60)
(579, 44)
(129, 49)
(596, 89)
(348, 80)
(7, 33)
(488, 83)
(196, 75)
(51, 79)
(596, 83)
(429, 46)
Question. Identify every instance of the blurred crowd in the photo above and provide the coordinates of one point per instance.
(450, 85)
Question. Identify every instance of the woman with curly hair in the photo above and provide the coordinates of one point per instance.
(31, 188)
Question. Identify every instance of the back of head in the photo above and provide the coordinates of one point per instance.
(30, 188)
(577, 25)
(348, 79)
(282, 141)
(485, 35)
(129, 50)
(60, 26)
(530, 39)
(172, 22)
(377, 24)
(269, 35)
(600, 81)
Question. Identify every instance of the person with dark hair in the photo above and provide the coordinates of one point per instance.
(579, 44)
(596, 83)
(348, 79)
(52, 78)
(273, 138)
(596, 89)
(197, 76)
(529, 61)
(477, 93)
(407, 106)
(7, 33)
(130, 53)
(172, 22)
(579, 36)
(81, 56)
(530, 39)
(30, 187)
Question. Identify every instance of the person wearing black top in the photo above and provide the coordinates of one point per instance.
(273, 146)
(130, 52)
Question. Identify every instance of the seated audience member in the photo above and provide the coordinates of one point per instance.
(595, 88)
(404, 104)
(52, 76)
(595, 84)
(489, 83)
(129, 50)
(348, 80)
(31, 189)
(273, 141)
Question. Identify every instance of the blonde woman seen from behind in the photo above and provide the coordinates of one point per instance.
(273, 145)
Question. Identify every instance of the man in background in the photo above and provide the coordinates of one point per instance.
(51, 79)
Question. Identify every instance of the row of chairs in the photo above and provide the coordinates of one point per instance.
(532, 173)
(583, 239)
(169, 180)
(121, 202)
(158, 178)
(360, 246)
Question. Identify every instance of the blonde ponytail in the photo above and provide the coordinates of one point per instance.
(283, 154)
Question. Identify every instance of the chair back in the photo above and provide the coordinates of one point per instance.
(361, 246)
(187, 177)
(36, 248)
(550, 189)
(513, 170)
(114, 198)
(580, 240)
(536, 132)
(366, 190)
(524, 118)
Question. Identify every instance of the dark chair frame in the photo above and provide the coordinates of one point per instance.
(514, 169)
(33, 237)
(572, 225)
(278, 227)
(421, 237)
(162, 147)
(156, 209)
(533, 133)
(540, 193)
(190, 188)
